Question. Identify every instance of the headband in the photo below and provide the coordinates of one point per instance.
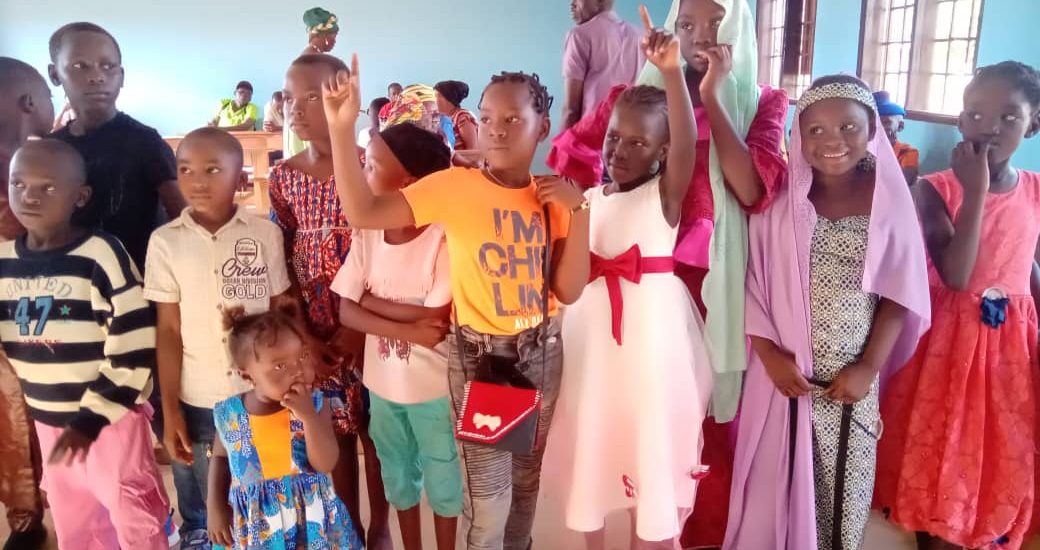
(837, 90)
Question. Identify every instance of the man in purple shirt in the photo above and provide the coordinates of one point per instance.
(600, 53)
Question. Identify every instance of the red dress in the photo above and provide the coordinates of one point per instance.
(958, 454)
(317, 240)
(577, 154)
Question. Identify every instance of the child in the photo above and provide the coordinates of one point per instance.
(961, 420)
(836, 301)
(402, 274)
(636, 382)
(739, 169)
(305, 205)
(269, 486)
(129, 166)
(892, 121)
(81, 338)
(25, 110)
(274, 113)
(237, 114)
(450, 94)
(496, 233)
(214, 254)
(365, 135)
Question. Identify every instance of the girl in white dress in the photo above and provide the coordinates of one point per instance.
(636, 376)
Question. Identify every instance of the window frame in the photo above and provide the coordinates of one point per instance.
(794, 52)
(916, 48)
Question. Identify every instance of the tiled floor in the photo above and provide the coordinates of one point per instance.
(550, 534)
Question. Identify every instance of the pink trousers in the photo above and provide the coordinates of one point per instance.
(115, 498)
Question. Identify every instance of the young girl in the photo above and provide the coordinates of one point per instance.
(269, 483)
(636, 381)
(395, 288)
(836, 296)
(960, 419)
(304, 203)
(739, 168)
(497, 238)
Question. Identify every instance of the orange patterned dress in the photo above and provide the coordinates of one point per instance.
(957, 458)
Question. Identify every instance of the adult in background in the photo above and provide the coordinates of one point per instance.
(450, 94)
(600, 53)
(322, 30)
(237, 114)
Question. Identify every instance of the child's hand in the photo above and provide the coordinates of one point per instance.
(218, 522)
(342, 96)
(720, 63)
(556, 190)
(785, 374)
(176, 439)
(71, 445)
(660, 46)
(298, 400)
(852, 384)
(428, 332)
(970, 163)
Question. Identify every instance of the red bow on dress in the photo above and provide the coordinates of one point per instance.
(630, 265)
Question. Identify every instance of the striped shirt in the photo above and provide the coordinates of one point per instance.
(77, 329)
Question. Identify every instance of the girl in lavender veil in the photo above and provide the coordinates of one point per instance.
(837, 297)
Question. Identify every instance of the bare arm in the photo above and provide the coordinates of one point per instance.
(571, 260)
(353, 316)
(402, 313)
(954, 244)
(248, 125)
(888, 323)
(361, 207)
(171, 198)
(573, 96)
(218, 487)
(322, 448)
(1034, 278)
(910, 173)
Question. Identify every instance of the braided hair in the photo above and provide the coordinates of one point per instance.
(540, 98)
(251, 332)
(646, 98)
(1019, 75)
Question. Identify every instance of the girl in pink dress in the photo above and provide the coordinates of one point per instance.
(958, 460)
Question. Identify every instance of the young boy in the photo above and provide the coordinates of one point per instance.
(214, 256)
(237, 114)
(892, 115)
(274, 113)
(25, 110)
(406, 357)
(129, 166)
(81, 338)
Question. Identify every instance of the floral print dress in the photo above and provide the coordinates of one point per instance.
(295, 511)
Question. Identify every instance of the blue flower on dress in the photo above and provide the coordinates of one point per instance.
(994, 311)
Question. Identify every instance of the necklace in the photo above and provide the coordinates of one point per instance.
(494, 178)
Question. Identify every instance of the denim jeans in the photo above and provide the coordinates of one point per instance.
(500, 489)
(190, 481)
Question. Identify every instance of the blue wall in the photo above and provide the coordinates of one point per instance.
(182, 57)
(1007, 26)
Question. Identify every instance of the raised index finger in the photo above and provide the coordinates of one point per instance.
(644, 14)
(354, 66)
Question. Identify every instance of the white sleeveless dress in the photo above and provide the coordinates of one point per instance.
(627, 427)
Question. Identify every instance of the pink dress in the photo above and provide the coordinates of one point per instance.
(958, 456)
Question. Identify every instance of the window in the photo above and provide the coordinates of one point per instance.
(921, 51)
(786, 29)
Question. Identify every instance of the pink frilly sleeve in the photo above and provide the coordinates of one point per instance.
(764, 140)
(577, 152)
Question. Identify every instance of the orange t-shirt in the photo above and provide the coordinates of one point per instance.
(495, 241)
(907, 155)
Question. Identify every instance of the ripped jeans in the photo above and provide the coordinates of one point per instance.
(500, 489)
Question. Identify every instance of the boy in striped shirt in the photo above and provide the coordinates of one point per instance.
(81, 337)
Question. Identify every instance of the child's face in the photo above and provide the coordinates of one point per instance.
(510, 128)
(999, 113)
(443, 105)
(90, 70)
(893, 124)
(45, 187)
(835, 135)
(697, 28)
(635, 139)
(208, 174)
(431, 120)
(383, 170)
(324, 41)
(306, 115)
(243, 96)
(278, 101)
(276, 368)
(394, 91)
